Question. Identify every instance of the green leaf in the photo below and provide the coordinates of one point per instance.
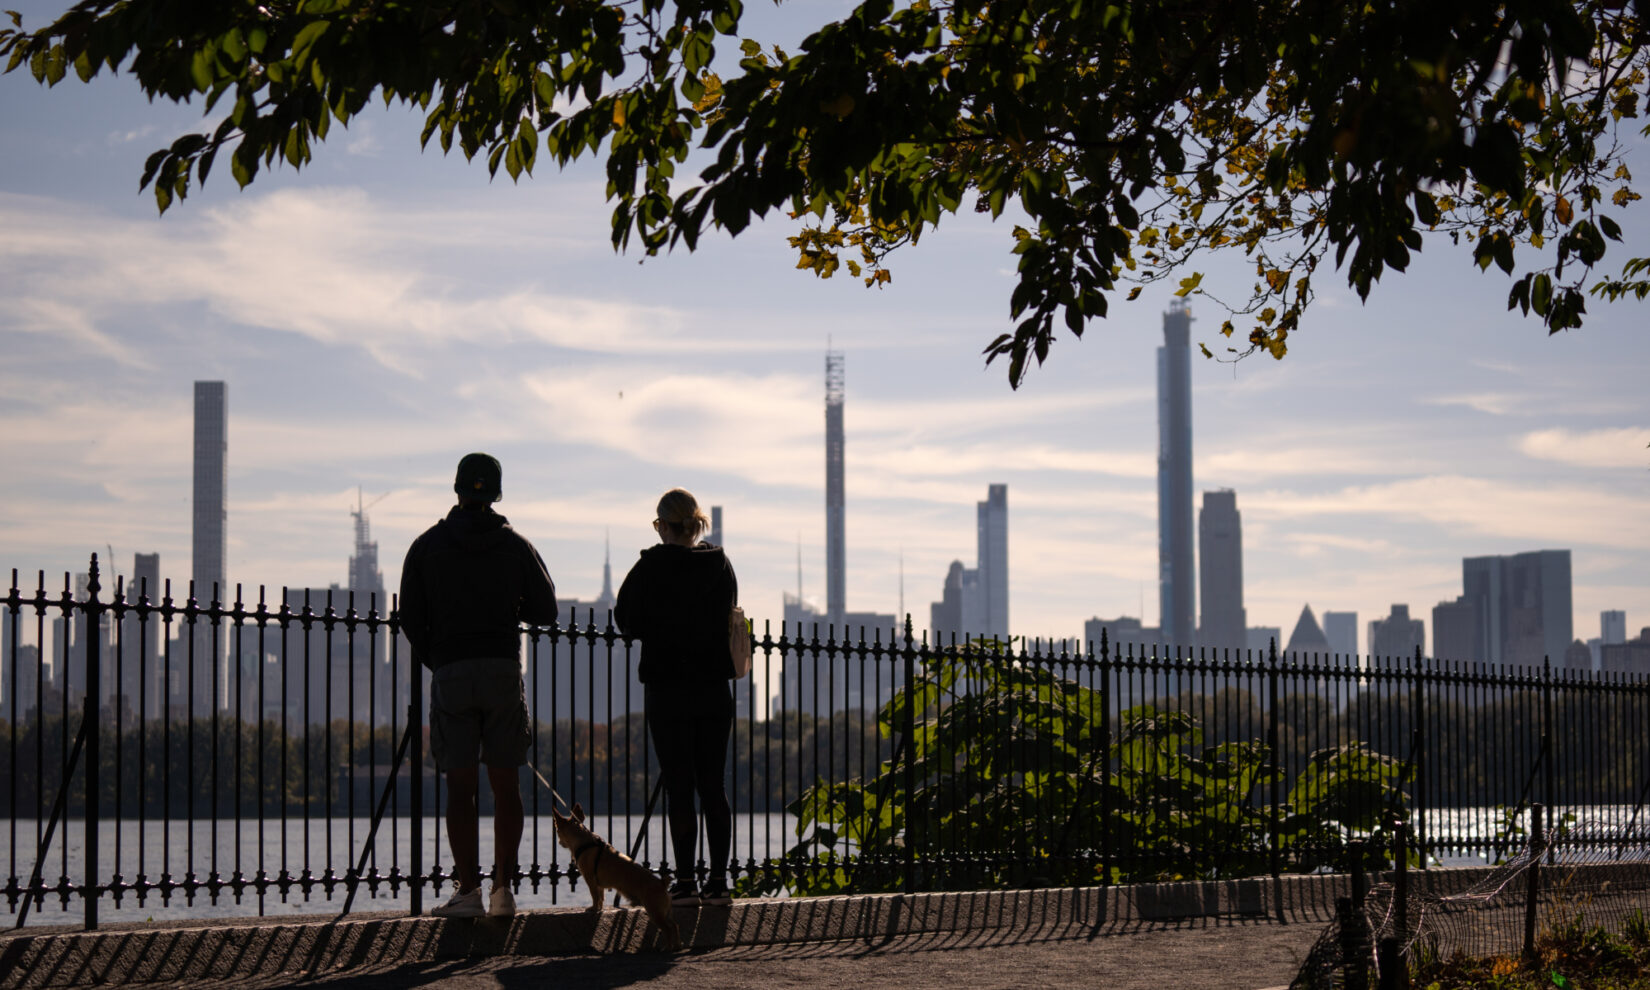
(306, 39)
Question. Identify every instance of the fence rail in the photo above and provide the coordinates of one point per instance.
(274, 750)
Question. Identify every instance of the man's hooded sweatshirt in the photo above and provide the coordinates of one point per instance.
(467, 584)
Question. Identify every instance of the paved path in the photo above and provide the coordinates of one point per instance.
(1138, 956)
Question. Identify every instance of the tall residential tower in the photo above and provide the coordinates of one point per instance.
(992, 555)
(1175, 556)
(209, 530)
(836, 553)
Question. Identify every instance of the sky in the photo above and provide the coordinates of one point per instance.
(385, 311)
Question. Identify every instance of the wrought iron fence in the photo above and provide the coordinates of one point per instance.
(213, 749)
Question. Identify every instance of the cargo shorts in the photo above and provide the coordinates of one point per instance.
(478, 709)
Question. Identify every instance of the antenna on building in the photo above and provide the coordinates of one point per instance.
(902, 584)
(799, 568)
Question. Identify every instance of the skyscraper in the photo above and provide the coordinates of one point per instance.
(1175, 563)
(974, 602)
(211, 483)
(992, 554)
(146, 691)
(1521, 606)
(1397, 635)
(1539, 623)
(1220, 579)
(365, 579)
(1612, 626)
(208, 535)
(1454, 630)
(1341, 629)
(836, 565)
(716, 526)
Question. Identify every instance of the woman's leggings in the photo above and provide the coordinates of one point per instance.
(690, 726)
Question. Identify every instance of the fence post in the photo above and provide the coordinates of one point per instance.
(415, 719)
(1276, 853)
(1548, 748)
(1416, 738)
(1538, 843)
(1105, 759)
(94, 690)
(910, 729)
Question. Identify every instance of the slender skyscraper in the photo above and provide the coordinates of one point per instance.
(210, 526)
(993, 560)
(1176, 575)
(836, 566)
(211, 478)
(716, 526)
(1220, 547)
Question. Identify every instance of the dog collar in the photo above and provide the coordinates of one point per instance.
(586, 847)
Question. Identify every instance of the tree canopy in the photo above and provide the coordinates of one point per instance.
(1130, 139)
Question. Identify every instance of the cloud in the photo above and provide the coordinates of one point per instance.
(339, 267)
(1490, 403)
(1547, 516)
(1622, 447)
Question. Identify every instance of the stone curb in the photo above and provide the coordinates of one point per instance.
(225, 952)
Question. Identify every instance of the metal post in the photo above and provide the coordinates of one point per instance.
(910, 729)
(94, 691)
(1538, 843)
(415, 723)
(1277, 773)
(1416, 737)
(1104, 743)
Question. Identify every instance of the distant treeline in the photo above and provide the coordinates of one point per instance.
(1462, 755)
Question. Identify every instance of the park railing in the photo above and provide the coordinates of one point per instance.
(161, 749)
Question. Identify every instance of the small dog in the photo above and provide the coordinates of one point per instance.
(605, 868)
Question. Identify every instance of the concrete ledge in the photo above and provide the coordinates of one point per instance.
(228, 951)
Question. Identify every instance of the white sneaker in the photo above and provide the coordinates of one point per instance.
(502, 904)
(461, 906)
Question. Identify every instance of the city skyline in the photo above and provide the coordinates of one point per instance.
(385, 312)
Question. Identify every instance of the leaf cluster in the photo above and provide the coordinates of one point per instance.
(1130, 139)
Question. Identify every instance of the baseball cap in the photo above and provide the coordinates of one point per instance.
(479, 476)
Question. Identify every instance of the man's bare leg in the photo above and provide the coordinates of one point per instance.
(463, 829)
(507, 821)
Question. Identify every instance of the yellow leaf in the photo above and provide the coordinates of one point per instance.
(618, 113)
(1564, 211)
(838, 107)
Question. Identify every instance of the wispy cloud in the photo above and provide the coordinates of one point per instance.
(1539, 516)
(1490, 403)
(1622, 447)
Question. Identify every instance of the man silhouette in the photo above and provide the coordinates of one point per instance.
(467, 584)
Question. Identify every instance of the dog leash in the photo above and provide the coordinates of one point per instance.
(559, 799)
(641, 833)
